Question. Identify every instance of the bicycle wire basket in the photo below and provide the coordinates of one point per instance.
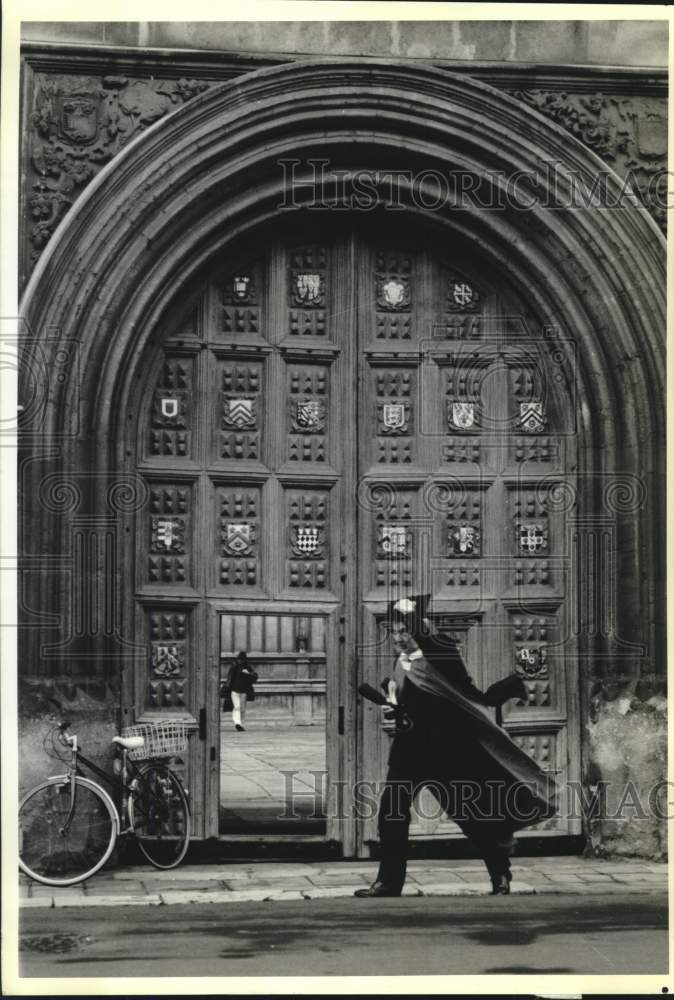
(164, 738)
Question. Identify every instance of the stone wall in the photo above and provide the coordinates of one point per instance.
(91, 708)
(610, 43)
(82, 105)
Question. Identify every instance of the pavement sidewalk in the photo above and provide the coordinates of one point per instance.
(232, 882)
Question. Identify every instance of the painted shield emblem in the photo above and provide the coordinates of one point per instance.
(462, 294)
(168, 659)
(532, 418)
(532, 537)
(530, 661)
(308, 288)
(240, 413)
(393, 291)
(464, 539)
(309, 414)
(394, 415)
(168, 535)
(169, 407)
(238, 539)
(307, 541)
(79, 119)
(241, 287)
(462, 415)
(393, 540)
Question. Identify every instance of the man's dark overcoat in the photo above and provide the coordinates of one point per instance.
(455, 739)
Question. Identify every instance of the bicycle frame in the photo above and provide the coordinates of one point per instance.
(121, 783)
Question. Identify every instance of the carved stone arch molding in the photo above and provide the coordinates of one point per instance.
(210, 172)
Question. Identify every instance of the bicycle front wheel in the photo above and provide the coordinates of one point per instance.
(160, 815)
(57, 848)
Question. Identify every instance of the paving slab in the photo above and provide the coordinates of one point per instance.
(163, 885)
(187, 872)
(131, 900)
(44, 902)
(218, 896)
(427, 878)
(287, 883)
(110, 888)
(260, 880)
(640, 877)
(474, 889)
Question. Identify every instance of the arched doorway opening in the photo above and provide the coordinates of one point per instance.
(142, 240)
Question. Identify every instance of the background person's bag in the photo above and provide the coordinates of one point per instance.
(226, 695)
(251, 677)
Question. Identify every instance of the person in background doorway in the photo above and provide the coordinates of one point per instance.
(240, 681)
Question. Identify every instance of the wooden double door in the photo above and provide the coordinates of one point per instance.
(333, 420)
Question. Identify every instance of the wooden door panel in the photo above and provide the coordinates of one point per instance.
(336, 423)
(474, 475)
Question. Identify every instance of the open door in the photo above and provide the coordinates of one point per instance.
(336, 421)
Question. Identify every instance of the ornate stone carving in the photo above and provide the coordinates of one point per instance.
(630, 134)
(79, 124)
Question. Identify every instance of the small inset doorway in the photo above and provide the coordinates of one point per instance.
(273, 774)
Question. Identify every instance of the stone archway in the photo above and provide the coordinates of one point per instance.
(214, 170)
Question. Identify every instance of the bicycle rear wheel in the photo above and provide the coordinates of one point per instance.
(160, 815)
(55, 854)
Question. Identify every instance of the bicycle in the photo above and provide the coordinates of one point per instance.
(69, 824)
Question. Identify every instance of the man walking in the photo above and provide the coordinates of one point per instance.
(480, 777)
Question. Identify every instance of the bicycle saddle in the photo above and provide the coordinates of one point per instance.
(129, 742)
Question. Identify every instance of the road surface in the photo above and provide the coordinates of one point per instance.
(552, 934)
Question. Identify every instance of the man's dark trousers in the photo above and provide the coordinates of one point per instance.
(442, 753)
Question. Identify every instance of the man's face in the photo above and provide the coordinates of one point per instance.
(402, 640)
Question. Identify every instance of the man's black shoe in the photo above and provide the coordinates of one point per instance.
(500, 885)
(377, 889)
